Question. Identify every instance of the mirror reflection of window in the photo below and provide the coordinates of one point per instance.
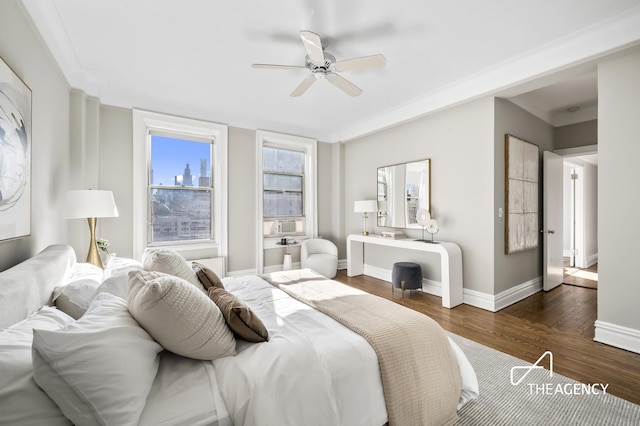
(403, 189)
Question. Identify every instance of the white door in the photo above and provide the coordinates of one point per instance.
(552, 170)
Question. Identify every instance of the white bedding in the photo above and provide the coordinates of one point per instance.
(185, 392)
(312, 371)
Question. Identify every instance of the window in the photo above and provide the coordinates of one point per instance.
(180, 185)
(286, 188)
(180, 197)
(283, 179)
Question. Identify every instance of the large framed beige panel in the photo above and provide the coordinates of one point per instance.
(521, 193)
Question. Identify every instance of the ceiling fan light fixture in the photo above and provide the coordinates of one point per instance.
(322, 64)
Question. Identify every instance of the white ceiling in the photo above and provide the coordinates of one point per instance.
(192, 58)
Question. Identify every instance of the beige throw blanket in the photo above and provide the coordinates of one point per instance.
(420, 376)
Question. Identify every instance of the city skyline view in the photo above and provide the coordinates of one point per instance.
(169, 157)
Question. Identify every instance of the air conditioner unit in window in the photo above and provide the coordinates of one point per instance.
(285, 227)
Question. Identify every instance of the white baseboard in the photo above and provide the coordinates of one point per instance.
(342, 264)
(494, 303)
(618, 336)
(592, 259)
(517, 293)
(479, 299)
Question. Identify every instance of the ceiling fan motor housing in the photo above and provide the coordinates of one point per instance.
(324, 68)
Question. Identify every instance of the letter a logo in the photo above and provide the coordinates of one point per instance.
(528, 369)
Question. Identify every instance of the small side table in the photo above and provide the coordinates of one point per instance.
(287, 263)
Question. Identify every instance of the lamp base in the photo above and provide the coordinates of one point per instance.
(365, 233)
(92, 256)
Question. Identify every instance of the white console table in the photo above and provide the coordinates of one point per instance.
(450, 261)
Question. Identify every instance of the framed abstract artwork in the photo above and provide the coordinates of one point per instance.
(15, 155)
(521, 195)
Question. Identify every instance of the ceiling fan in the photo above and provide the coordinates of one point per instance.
(322, 64)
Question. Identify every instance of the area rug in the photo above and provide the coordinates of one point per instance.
(537, 397)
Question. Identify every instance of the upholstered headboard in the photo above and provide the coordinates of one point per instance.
(29, 285)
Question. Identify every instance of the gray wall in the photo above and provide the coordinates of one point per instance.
(459, 141)
(618, 197)
(515, 268)
(574, 135)
(116, 174)
(22, 49)
(242, 199)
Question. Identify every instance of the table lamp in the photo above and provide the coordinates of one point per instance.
(364, 207)
(91, 204)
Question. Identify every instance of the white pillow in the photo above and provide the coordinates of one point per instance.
(179, 316)
(170, 262)
(22, 402)
(117, 284)
(99, 370)
(74, 298)
(85, 271)
(119, 265)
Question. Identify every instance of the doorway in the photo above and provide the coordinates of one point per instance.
(580, 221)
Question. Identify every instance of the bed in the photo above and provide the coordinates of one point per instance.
(95, 359)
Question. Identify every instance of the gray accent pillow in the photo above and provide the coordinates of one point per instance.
(179, 316)
(170, 262)
(244, 323)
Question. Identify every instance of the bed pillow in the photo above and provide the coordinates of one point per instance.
(98, 370)
(74, 298)
(117, 284)
(179, 316)
(169, 262)
(22, 402)
(119, 265)
(206, 276)
(244, 323)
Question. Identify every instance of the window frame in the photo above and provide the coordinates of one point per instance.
(301, 175)
(151, 186)
(144, 124)
(310, 193)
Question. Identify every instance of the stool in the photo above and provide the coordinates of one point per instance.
(407, 276)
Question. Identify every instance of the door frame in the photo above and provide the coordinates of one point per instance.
(567, 153)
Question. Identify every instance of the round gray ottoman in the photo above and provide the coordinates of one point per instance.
(406, 276)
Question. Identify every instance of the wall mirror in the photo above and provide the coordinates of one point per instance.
(402, 190)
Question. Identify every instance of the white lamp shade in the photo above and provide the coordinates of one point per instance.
(82, 204)
(365, 206)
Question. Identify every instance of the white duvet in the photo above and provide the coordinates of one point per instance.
(313, 370)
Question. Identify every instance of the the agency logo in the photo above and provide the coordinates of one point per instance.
(529, 369)
(574, 388)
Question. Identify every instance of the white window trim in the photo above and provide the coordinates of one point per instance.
(143, 122)
(309, 146)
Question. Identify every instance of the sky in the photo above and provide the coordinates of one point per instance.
(169, 157)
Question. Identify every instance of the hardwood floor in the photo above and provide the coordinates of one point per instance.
(561, 320)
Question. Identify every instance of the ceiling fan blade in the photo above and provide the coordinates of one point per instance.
(278, 67)
(302, 87)
(366, 62)
(313, 45)
(343, 84)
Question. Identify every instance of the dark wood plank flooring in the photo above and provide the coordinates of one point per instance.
(561, 320)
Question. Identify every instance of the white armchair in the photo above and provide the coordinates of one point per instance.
(321, 256)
